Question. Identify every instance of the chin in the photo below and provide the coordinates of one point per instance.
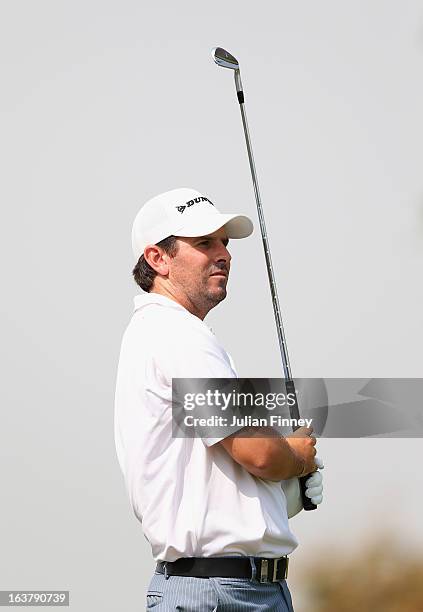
(220, 295)
(216, 295)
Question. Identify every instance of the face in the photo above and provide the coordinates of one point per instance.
(199, 271)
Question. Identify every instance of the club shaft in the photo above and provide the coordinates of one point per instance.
(289, 383)
(269, 266)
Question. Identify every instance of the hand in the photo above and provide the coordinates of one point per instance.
(314, 484)
(302, 444)
(314, 488)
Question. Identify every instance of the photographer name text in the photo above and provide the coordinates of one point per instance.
(272, 420)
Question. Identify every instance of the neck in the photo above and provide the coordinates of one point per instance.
(181, 299)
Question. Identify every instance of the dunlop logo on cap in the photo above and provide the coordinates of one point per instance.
(192, 202)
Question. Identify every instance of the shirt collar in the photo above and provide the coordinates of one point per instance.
(144, 299)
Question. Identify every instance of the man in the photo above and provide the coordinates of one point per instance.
(215, 511)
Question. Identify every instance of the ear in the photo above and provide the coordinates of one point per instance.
(157, 259)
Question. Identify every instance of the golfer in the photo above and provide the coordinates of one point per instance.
(215, 511)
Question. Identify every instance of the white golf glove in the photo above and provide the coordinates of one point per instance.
(314, 490)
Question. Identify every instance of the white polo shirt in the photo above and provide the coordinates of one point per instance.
(192, 498)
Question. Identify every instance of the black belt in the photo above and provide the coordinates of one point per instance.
(267, 570)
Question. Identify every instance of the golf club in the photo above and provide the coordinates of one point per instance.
(226, 60)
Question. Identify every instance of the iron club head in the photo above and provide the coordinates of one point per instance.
(224, 59)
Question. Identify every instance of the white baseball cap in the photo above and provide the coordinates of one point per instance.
(183, 212)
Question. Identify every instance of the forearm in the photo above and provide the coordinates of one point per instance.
(281, 462)
(269, 456)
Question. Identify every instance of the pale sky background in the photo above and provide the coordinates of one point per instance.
(105, 104)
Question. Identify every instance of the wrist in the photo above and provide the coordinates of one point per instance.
(301, 469)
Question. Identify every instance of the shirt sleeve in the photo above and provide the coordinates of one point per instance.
(190, 350)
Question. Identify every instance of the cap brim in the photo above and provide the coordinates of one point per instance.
(236, 226)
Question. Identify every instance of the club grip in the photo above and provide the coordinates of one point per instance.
(307, 503)
(295, 414)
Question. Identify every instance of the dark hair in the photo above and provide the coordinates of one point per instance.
(143, 273)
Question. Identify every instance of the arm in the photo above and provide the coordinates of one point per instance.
(273, 458)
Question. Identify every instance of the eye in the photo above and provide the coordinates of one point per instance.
(204, 243)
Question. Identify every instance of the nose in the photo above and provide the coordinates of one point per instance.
(223, 254)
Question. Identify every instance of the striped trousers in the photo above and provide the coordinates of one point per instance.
(188, 594)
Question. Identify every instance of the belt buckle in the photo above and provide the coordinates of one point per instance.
(275, 569)
(264, 570)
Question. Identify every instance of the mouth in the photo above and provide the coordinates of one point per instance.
(221, 274)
